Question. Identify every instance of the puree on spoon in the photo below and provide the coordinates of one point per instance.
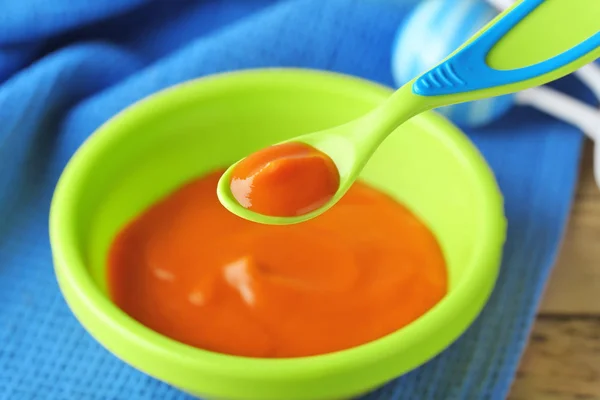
(189, 269)
(285, 180)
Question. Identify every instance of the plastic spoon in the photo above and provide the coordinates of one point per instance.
(519, 49)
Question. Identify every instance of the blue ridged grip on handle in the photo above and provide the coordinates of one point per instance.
(467, 70)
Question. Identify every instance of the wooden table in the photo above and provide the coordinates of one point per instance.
(562, 360)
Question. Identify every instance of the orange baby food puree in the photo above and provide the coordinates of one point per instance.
(191, 270)
(285, 180)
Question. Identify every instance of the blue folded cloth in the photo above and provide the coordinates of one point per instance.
(66, 66)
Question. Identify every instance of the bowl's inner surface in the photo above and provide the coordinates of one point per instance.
(166, 148)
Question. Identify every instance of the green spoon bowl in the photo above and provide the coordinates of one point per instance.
(159, 144)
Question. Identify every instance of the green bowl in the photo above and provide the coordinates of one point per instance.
(158, 144)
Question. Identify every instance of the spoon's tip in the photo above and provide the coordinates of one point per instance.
(343, 153)
(228, 200)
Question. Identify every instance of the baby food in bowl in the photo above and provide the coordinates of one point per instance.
(175, 285)
(195, 272)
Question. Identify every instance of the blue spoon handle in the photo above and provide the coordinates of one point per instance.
(468, 71)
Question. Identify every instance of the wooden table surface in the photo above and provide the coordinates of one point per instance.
(562, 360)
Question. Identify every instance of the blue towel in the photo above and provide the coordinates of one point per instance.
(66, 66)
